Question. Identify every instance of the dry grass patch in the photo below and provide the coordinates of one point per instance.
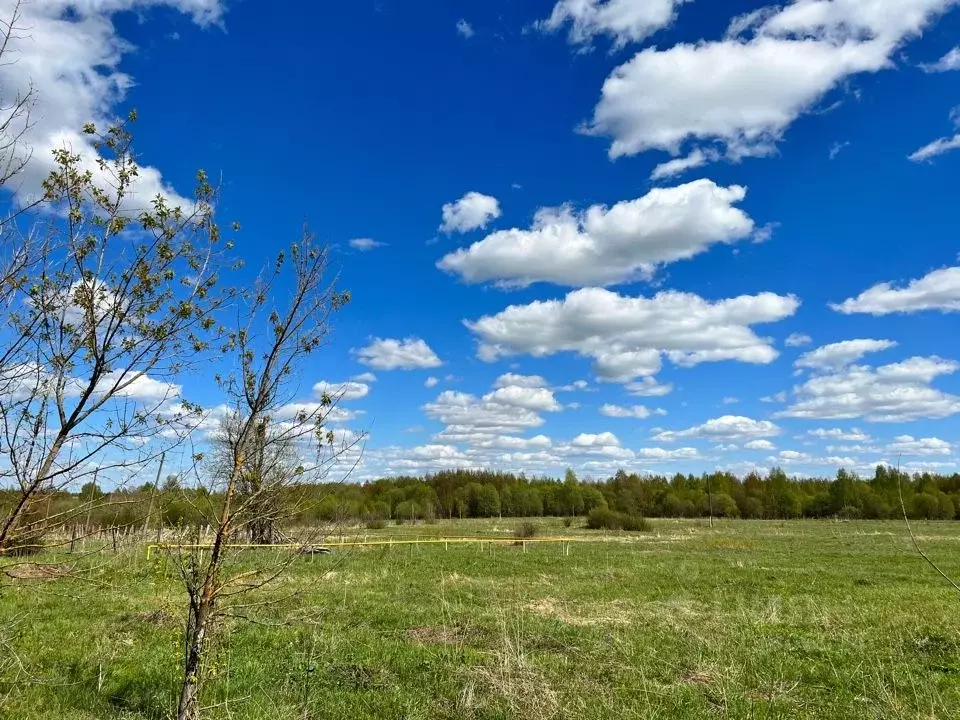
(611, 613)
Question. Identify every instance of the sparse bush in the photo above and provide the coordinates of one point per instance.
(526, 530)
(606, 519)
(567, 521)
(375, 523)
(634, 523)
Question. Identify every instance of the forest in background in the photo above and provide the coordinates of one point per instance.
(480, 494)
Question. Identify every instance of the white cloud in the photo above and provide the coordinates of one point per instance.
(527, 381)
(836, 355)
(950, 61)
(743, 92)
(391, 354)
(626, 336)
(908, 445)
(575, 385)
(623, 20)
(607, 245)
(471, 212)
(341, 391)
(648, 387)
(367, 377)
(536, 399)
(837, 148)
(601, 439)
(852, 435)
(365, 244)
(760, 445)
(138, 386)
(730, 400)
(940, 145)
(797, 340)
(678, 166)
(617, 411)
(70, 53)
(465, 414)
(937, 290)
(935, 148)
(890, 393)
(780, 397)
(665, 455)
(464, 28)
(728, 427)
(430, 382)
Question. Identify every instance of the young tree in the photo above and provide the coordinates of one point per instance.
(261, 426)
(122, 299)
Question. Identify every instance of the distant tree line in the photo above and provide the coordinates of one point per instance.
(482, 494)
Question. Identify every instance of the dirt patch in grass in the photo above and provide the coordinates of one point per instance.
(697, 677)
(37, 571)
(432, 635)
(612, 613)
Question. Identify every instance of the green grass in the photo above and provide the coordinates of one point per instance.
(753, 619)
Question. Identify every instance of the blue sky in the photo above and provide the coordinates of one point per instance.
(550, 291)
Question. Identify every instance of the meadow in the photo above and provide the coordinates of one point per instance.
(747, 619)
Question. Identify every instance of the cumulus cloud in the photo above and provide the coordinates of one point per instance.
(665, 455)
(341, 391)
(70, 53)
(908, 445)
(606, 245)
(367, 377)
(465, 414)
(780, 397)
(617, 411)
(626, 336)
(537, 399)
(392, 354)
(937, 290)
(728, 427)
(760, 445)
(838, 354)
(852, 435)
(741, 93)
(897, 392)
(623, 20)
(527, 381)
(430, 382)
(797, 340)
(950, 61)
(365, 244)
(139, 386)
(471, 212)
(648, 387)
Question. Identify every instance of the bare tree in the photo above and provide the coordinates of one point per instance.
(16, 107)
(268, 445)
(122, 299)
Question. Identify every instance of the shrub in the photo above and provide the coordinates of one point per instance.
(567, 521)
(375, 523)
(634, 523)
(526, 530)
(605, 519)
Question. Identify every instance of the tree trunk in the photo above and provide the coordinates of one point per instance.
(196, 636)
(11, 526)
(262, 531)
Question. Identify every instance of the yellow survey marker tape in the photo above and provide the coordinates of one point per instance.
(371, 543)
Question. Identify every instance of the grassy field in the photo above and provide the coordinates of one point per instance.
(749, 619)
